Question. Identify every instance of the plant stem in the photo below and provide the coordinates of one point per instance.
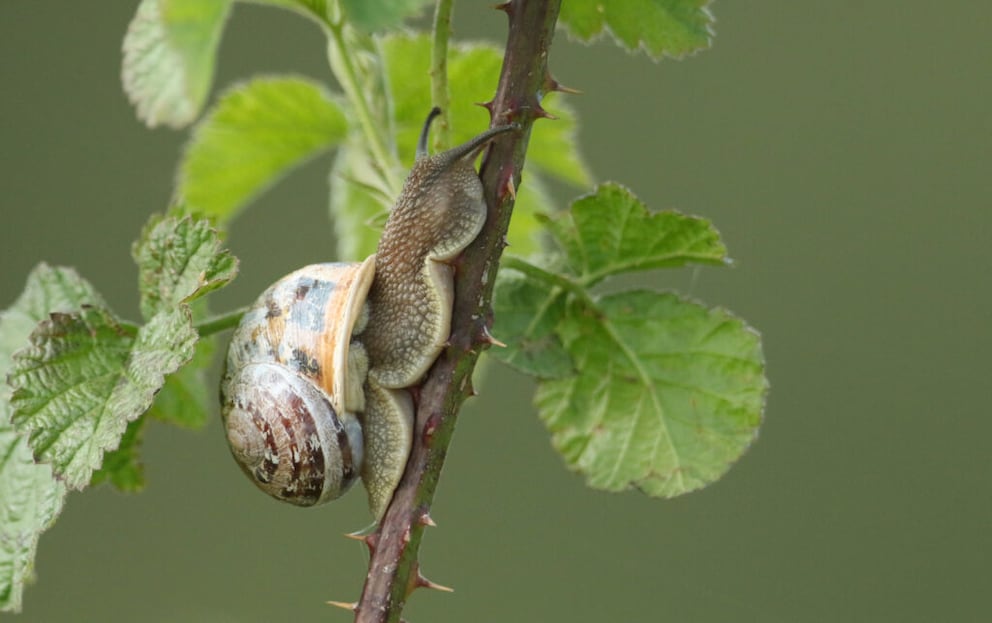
(394, 570)
(220, 322)
(549, 278)
(340, 56)
(439, 73)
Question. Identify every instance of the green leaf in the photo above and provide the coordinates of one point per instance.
(179, 260)
(47, 289)
(169, 55)
(668, 394)
(30, 496)
(365, 15)
(122, 467)
(611, 232)
(256, 133)
(528, 313)
(30, 499)
(639, 389)
(186, 400)
(314, 9)
(85, 376)
(659, 27)
(376, 15)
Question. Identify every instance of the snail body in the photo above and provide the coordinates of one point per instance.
(314, 391)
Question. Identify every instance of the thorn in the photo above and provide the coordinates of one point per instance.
(506, 7)
(550, 84)
(423, 582)
(488, 106)
(511, 188)
(487, 338)
(468, 387)
(540, 113)
(417, 580)
(344, 605)
(425, 520)
(371, 539)
(561, 88)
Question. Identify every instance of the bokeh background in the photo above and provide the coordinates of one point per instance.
(842, 148)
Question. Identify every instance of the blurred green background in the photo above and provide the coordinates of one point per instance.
(842, 148)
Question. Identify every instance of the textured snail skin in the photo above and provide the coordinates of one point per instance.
(440, 212)
(290, 415)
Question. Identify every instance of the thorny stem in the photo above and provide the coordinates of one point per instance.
(439, 72)
(394, 569)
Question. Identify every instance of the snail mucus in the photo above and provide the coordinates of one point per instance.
(314, 393)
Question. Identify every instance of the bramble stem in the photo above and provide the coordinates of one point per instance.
(394, 568)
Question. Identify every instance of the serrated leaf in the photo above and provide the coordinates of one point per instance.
(179, 260)
(659, 27)
(668, 394)
(85, 376)
(256, 133)
(30, 496)
(47, 289)
(122, 467)
(169, 56)
(527, 317)
(611, 232)
(30, 500)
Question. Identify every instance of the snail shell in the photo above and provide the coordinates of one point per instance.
(292, 390)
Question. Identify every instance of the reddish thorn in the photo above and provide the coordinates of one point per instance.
(352, 606)
(425, 520)
(488, 106)
(467, 387)
(511, 188)
(540, 113)
(370, 540)
(506, 7)
(423, 582)
(550, 84)
(561, 88)
(487, 338)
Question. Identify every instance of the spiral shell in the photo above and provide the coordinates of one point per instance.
(292, 392)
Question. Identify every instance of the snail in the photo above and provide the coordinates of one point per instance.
(314, 392)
